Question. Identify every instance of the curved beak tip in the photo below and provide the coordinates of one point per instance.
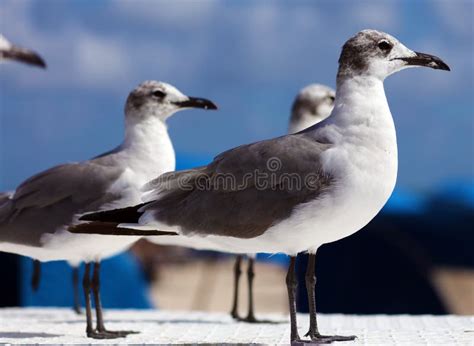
(204, 104)
(436, 63)
(211, 106)
(42, 64)
(443, 66)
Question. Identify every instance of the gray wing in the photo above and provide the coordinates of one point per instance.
(227, 197)
(50, 199)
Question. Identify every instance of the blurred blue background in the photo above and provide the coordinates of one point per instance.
(251, 58)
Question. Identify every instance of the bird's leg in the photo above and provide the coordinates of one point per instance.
(36, 277)
(234, 312)
(250, 318)
(75, 287)
(313, 332)
(291, 285)
(100, 330)
(86, 285)
(250, 276)
(310, 288)
(96, 291)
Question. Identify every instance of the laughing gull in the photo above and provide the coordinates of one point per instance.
(293, 193)
(312, 105)
(33, 220)
(9, 51)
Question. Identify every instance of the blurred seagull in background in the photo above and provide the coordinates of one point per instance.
(33, 219)
(9, 51)
(347, 165)
(313, 104)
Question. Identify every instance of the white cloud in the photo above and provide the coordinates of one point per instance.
(100, 61)
(75, 56)
(187, 13)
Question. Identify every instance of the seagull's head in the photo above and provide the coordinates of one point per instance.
(378, 54)
(160, 100)
(313, 104)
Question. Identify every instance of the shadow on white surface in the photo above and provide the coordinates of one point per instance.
(21, 335)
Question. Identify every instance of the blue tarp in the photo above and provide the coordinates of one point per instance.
(120, 276)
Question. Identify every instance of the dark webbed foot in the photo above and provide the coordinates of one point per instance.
(253, 319)
(110, 334)
(330, 338)
(307, 342)
(250, 319)
(323, 339)
(123, 333)
(103, 335)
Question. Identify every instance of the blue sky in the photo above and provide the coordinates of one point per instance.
(250, 57)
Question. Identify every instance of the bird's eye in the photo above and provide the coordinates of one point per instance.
(332, 98)
(384, 45)
(159, 93)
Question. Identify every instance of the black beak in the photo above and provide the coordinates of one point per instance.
(23, 55)
(196, 102)
(427, 60)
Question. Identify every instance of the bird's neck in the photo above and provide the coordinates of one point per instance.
(361, 116)
(144, 132)
(147, 142)
(360, 100)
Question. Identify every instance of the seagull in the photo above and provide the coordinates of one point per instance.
(33, 219)
(312, 104)
(9, 51)
(343, 171)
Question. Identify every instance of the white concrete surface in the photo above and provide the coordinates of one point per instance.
(58, 326)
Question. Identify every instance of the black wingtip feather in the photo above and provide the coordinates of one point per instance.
(122, 215)
(111, 228)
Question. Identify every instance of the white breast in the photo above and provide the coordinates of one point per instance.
(146, 153)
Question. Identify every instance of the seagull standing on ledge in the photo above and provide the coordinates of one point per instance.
(33, 220)
(346, 164)
(9, 51)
